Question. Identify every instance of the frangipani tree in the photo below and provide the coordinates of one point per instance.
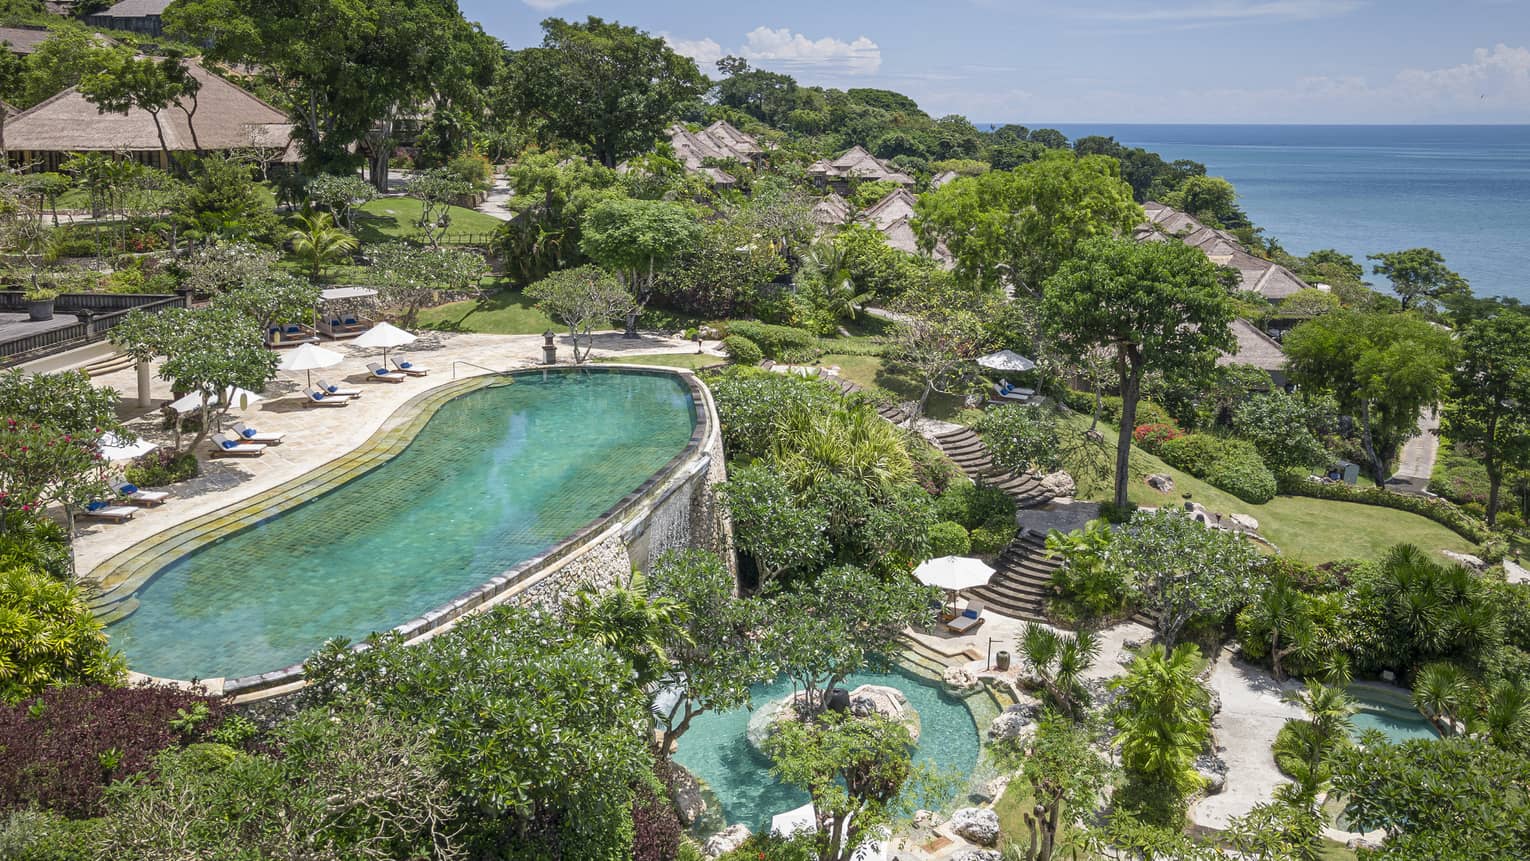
(581, 299)
(638, 238)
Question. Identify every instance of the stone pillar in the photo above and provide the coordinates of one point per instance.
(144, 400)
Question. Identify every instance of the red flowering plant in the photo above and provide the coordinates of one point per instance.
(1151, 437)
(41, 466)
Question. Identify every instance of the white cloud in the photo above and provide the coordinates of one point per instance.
(783, 48)
(548, 4)
(1497, 77)
(705, 52)
(1231, 10)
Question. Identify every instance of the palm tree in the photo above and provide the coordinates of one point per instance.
(837, 293)
(632, 623)
(1506, 720)
(1164, 723)
(1329, 724)
(1442, 692)
(318, 240)
(1058, 663)
(1283, 610)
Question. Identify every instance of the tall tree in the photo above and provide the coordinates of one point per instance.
(581, 299)
(601, 85)
(1382, 368)
(1488, 412)
(1185, 572)
(638, 238)
(1419, 277)
(1154, 305)
(126, 82)
(1162, 725)
(1016, 227)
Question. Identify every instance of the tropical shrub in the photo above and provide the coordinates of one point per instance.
(1022, 437)
(749, 402)
(655, 827)
(1087, 586)
(1195, 453)
(1280, 427)
(162, 467)
(1232, 465)
(37, 835)
(35, 543)
(933, 471)
(60, 750)
(742, 350)
(977, 505)
(1150, 438)
(949, 539)
(48, 636)
(991, 540)
(1162, 721)
(782, 343)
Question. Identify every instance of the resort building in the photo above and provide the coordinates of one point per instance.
(1257, 349)
(719, 141)
(831, 211)
(137, 16)
(227, 118)
(1270, 280)
(856, 164)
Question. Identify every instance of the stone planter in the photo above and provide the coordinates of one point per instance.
(40, 309)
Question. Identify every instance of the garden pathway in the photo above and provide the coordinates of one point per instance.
(1415, 464)
(494, 204)
(1253, 711)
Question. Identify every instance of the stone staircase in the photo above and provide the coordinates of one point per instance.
(969, 452)
(1022, 579)
(893, 413)
(109, 365)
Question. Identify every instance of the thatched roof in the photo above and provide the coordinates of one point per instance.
(718, 140)
(895, 205)
(1254, 348)
(900, 234)
(24, 40)
(833, 210)
(1270, 280)
(227, 118)
(857, 163)
(136, 9)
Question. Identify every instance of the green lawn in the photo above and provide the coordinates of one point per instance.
(501, 312)
(1312, 530)
(872, 371)
(668, 360)
(394, 217)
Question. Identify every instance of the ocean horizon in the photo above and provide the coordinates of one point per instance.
(1463, 190)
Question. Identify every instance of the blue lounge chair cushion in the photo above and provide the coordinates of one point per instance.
(970, 613)
(248, 432)
(406, 364)
(293, 330)
(318, 396)
(381, 372)
(228, 443)
(331, 389)
(350, 321)
(95, 505)
(130, 489)
(335, 322)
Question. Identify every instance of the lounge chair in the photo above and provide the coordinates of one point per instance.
(131, 493)
(380, 374)
(102, 510)
(250, 435)
(970, 619)
(1011, 387)
(315, 398)
(1018, 395)
(224, 446)
(329, 388)
(409, 367)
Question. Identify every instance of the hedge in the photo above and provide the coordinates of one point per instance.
(949, 539)
(782, 343)
(1439, 510)
(742, 350)
(1232, 465)
(1148, 413)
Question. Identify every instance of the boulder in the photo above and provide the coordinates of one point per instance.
(1012, 725)
(1362, 843)
(1514, 572)
(978, 825)
(1160, 482)
(690, 802)
(989, 791)
(1059, 484)
(763, 719)
(1213, 770)
(925, 820)
(887, 702)
(1245, 522)
(959, 679)
(1214, 705)
(726, 840)
(1466, 559)
(978, 855)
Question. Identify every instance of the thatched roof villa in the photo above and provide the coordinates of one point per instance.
(1257, 349)
(227, 118)
(718, 141)
(138, 16)
(856, 163)
(1270, 280)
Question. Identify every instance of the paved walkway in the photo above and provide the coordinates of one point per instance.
(316, 436)
(1415, 464)
(494, 205)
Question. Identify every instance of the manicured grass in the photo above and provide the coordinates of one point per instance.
(1312, 530)
(872, 371)
(668, 360)
(390, 218)
(501, 312)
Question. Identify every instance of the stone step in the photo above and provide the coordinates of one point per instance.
(109, 365)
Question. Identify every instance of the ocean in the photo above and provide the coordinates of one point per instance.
(1461, 190)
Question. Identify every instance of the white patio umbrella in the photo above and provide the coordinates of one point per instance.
(1007, 360)
(309, 357)
(232, 395)
(384, 335)
(803, 818)
(953, 572)
(113, 448)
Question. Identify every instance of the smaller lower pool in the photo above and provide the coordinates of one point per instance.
(1390, 711)
(717, 750)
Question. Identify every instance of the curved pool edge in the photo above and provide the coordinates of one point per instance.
(620, 538)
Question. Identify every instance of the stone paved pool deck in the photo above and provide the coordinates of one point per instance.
(316, 435)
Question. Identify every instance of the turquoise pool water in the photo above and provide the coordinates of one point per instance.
(495, 477)
(1395, 716)
(716, 750)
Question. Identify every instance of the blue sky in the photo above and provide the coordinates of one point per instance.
(1034, 61)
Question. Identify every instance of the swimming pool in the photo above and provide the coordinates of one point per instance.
(1390, 711)
(495, 477)
(717, 750)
